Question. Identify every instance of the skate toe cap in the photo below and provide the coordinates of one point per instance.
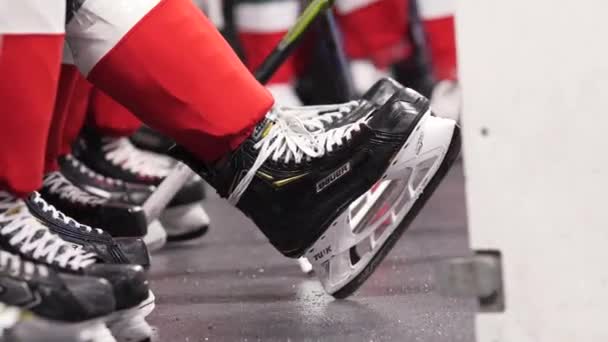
(129, 282)
(94, 297)
(399, 115)
(123, 220)
(134, 250)
(382, 91)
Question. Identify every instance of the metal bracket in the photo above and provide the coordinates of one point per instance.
(477, 276)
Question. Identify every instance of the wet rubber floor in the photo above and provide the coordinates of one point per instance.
(231, 285)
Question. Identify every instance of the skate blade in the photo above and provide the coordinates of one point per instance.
(359, 239)
(130, 325)
(185, 222)
(38, 329)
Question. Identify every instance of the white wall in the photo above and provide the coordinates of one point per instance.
(535, 76)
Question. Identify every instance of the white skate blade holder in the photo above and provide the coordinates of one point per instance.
(355, 237)
(163, 194)
(156, 237)
(130, 325)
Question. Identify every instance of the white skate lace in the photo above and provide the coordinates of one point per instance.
(121, 152)
(288, 139)
(58, 215)
(316, 118)
(13, 264)
(59, 185)
(90, 173)
(30, 236)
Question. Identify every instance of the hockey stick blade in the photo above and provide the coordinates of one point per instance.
(164, 193)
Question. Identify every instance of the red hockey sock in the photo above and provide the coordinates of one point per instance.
(109, 117)
(260, 26)
(166, 63)
(375, 29)
(67, 84)
(77, 113)
(30, 58)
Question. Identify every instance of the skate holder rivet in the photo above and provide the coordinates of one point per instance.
(335, 223)
(322, 237)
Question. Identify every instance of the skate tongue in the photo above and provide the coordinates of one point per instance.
(262, 129)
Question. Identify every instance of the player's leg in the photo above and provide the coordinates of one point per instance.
(293, 181)
(77, 114)
(179, 94)
(68, 79)
(30, 57)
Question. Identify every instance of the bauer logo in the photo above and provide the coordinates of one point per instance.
(334, 176)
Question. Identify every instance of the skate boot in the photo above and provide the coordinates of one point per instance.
(25, 234)
(65, 307)
(118, 219)
(114, 190)
(330, 116)
(105, 187)
(308, 181)
(184, 218)
(110, 250)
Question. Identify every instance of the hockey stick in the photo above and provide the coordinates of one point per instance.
(181, 174)
(334, 43)
(289, 42)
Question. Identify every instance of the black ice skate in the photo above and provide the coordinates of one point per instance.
(110, 250)
(102, 186)
(117, 158)
(297, 185)
(24, 234)
(66, 307)
(116, 218)
(114, 190)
